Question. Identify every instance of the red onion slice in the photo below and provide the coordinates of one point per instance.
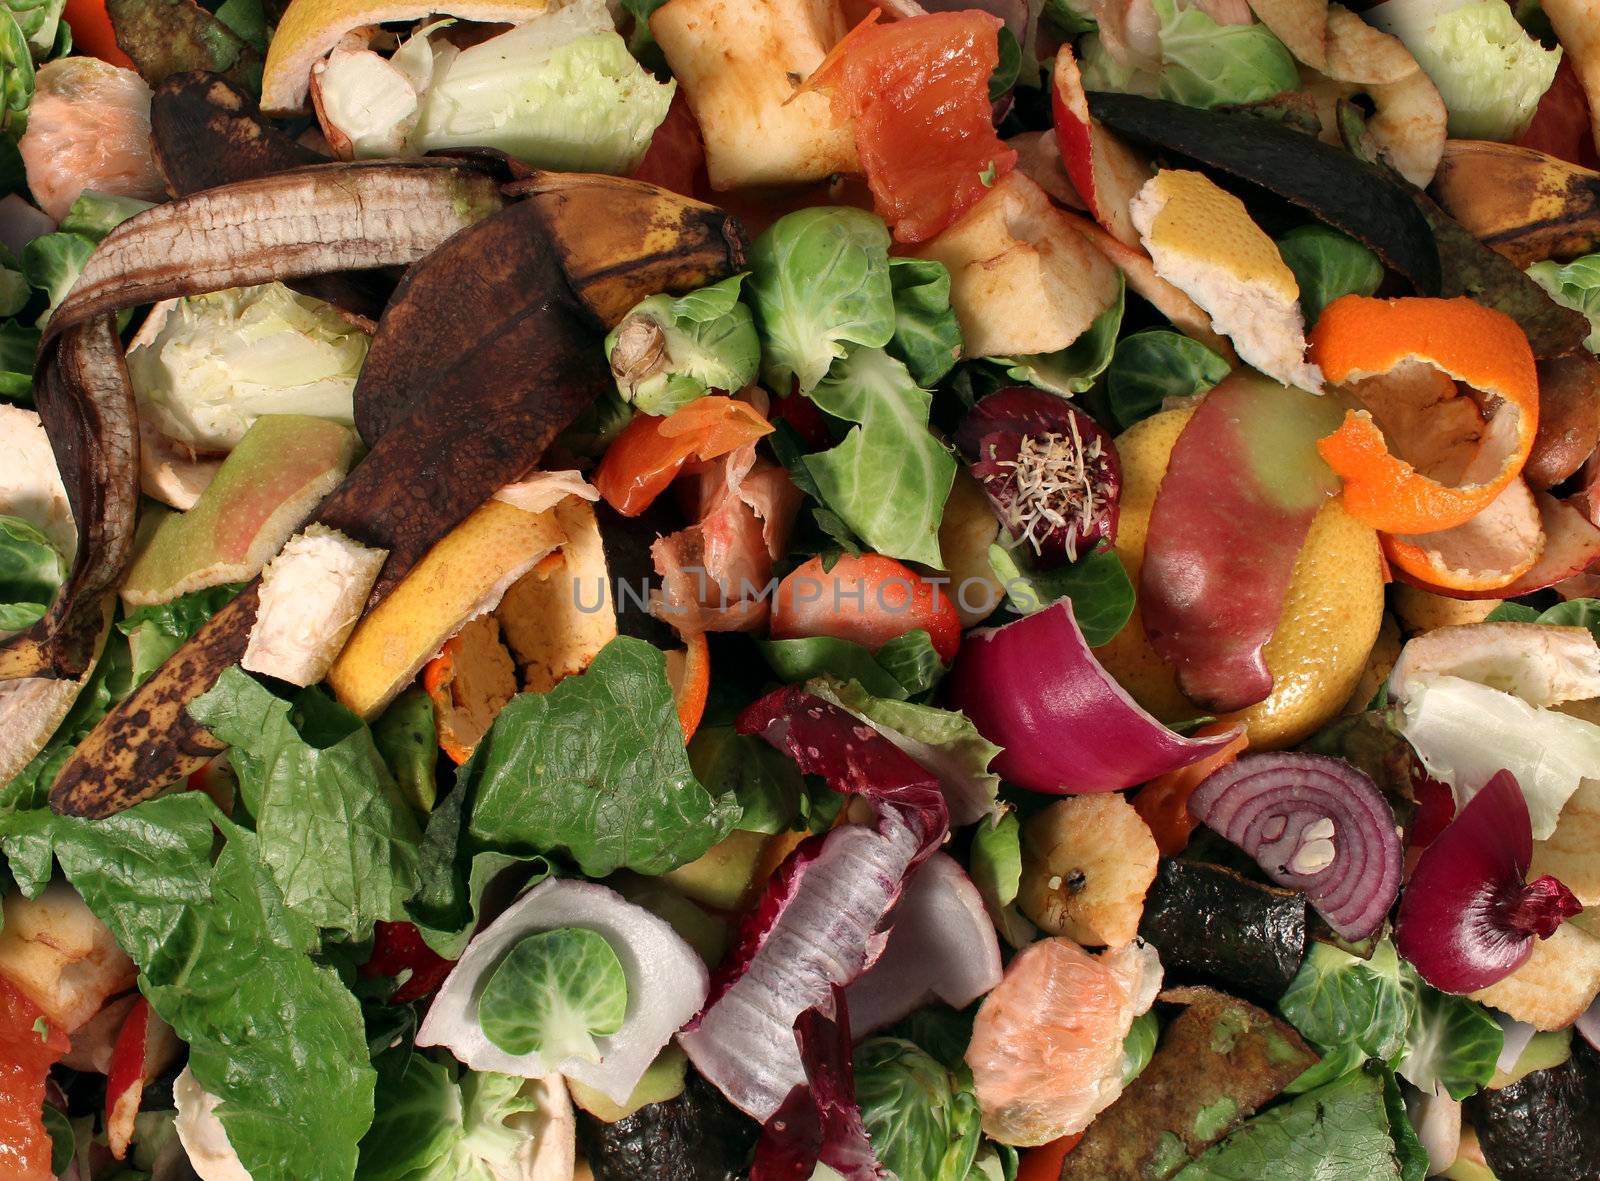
(821, 923)
(1035, 688)
(942, 947)
(1313, 823)
(819, 1121)
(1469, 918)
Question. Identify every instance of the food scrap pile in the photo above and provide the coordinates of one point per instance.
(799, 590)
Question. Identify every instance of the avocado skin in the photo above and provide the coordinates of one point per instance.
(1546, 1126)
(1214, 927)
(698, 1136)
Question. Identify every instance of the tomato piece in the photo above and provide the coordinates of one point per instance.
(397, 948)
(1044, 1163)
(918, 92)
(651, 451)
(92, 32)
(1561, 126)
(25, 1061)
(802, 415)
(676, 157)
(868, 600)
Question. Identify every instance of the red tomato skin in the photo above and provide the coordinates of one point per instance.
(676, 158)
(398, 947)
(868, 600)
(1044, 1163)
(918, 90)
(25, 1061)
(92, 33)
(638, 466)
(1561, 125)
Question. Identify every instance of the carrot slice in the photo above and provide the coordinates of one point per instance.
(691, 681)
(1044, 1163)
(1358, 337)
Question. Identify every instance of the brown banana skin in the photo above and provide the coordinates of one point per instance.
(206, 132)
(1521, 203)
(485, 354)
(375, 214)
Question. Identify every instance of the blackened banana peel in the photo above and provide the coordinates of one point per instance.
(313, 221)
(490, 347)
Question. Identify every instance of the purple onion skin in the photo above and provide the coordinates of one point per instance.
(1034, 688)
(992, 436)
(1266, 803)
(1469, 918)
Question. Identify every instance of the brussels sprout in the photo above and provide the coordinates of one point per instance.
(554, 993)
(922, 1120)
(667, 352)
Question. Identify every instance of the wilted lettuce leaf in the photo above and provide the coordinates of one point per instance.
(333, 830)
(157, 631)
(596, 767)
(890, 477)
(558, 91)
(1349, 1008)
(1338, 1132)
(1204, 64)
(30, 572)
(1328, 264)
(820, 282)
(1490, 72)
(924, 1122)
(926, 335)
(275, 1035)
(1575, 285)
(1152, 366)
(1452, 1044)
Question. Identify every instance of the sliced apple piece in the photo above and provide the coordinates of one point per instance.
(63, 958)
(1023, 280)
(740, 63)
(463, 576)
(310, 598)
(268, 485)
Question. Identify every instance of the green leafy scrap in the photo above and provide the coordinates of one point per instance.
(820, 282)
(1151, 366)
(1328, 264)
(276, 1036)
(927, 336)
(1098, 585)
(333, 829)
(890, 477)
(157, 631)
(31, 571)
(553, 994)
(613, 794)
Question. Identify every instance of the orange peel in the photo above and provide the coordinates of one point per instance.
(1358, 337)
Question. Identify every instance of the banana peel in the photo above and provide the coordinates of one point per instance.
(466, 383)
(1520, 202)
(462, 577)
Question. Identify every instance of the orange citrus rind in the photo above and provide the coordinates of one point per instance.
(1358, 337)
